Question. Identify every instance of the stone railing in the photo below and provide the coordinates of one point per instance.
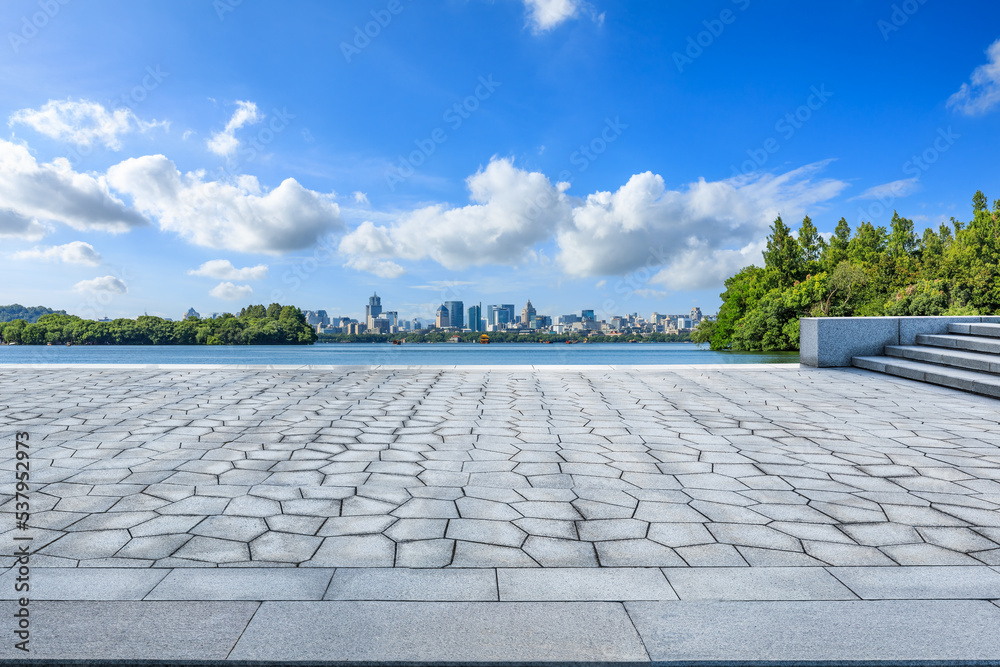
(834, 341)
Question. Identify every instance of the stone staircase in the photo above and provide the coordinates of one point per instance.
(966, 358)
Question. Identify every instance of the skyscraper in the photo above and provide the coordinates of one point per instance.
(456, 311)
(373, 309)
(587, 315)
(442, 319)
(476, 317)
(528, 315)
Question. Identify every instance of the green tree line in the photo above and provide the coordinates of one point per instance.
(255, 325)
(29, 314)
(951, 270)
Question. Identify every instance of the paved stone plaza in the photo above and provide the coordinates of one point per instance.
(560, 513)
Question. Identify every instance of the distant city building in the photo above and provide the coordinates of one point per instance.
(587, 315)
(696, 314)
(684, 323)
(456, 313)
(373, 309)
(442, 320)
(500, 314)
(476, 317)
(528, 314)
(191, 313)
(316, 317)
(392, 316)
(379, 325)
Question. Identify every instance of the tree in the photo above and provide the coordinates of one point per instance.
(813, 245)
(836, 251)
(783, 256)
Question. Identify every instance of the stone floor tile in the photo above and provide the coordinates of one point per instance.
(711, 555)
(636, 553)
(355, 551)
(499, 533)
(275, 546)
(425, 553)
(834, 553)
(473, 554)
(756, 583)
(679, 534)
(860, 631)
(926, 554)
(457, 632)
(550, 552)
(452, 585)
(153, 546)
(760, 557)
(62, 583)
(243, 584)
(583, 584)
(213, 550)
(98, 544)
(920, 583)
(355, 525)
(882, 534)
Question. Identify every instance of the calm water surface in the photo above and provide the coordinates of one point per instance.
(497, 354)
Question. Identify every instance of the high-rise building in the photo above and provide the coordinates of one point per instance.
(528, 315)
(456, 311)
(696, 314)
(587, 315)
(392, 316)
(373, 309)
(191, 313)
(442, 320)
(476, 317)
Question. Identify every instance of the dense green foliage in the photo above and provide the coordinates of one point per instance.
(29, 314)
(255, 325)
(501, 337)
(954, 270)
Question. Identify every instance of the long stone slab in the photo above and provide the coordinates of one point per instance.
(943, 582)
(860, 631)
(264, 583)
(76, 583)
(131, 631)
(756, 583)
(582, 584)
(441, 632)
(453, 585)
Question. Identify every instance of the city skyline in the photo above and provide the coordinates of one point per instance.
(627, 156)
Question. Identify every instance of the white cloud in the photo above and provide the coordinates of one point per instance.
(544, 15)
(230, 292)
(214, 214)
(700, 268)
(643, 224)
(53, 191)
(83, 122)
(108, 284)
(982, 92)
(512, 211)
(901, 188)
(223, 269)
(383, 268)
(442, 285)
(225, 142)
(360, 198)
(76, 252)
(15, 225)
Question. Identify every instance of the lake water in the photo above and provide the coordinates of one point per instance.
(497, 354)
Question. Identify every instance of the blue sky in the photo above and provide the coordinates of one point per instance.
(620, 156)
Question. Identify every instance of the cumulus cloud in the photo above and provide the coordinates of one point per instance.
(512, 210)
(360, 198)
(644, 224)
(225, 143)
(901, 188)
(82, 122)
(223, 269)
(703, 268)
(76, 252)
(982, 92)
(15, 225)
(229, 292)
(545, 15)
(108, 284)
(241, 216)
(53, 191)
(383, 268)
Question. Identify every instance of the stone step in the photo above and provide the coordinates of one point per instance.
(988, 330)
(956, 378)
(961, 342)
(973, 361)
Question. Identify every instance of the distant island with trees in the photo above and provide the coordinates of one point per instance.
(255, 325)
(505, 337)
(954, 270)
